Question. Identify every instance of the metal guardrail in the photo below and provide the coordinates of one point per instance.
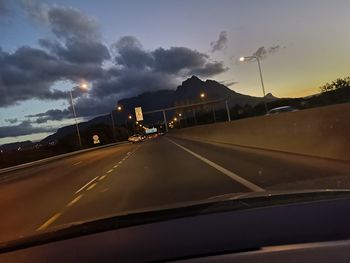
(53, 158)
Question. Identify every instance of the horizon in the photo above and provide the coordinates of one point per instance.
(121, 50)
(44, 136)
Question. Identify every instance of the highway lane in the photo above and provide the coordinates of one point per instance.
(34, 194)
(153, 173)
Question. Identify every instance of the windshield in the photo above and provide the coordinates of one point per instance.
(108, 107)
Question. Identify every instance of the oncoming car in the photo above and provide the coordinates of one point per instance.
(135, 138)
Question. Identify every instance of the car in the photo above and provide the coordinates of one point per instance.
(135, 138)
(282, 109)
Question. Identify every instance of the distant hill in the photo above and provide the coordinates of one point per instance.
(188, 92)
(17, 145)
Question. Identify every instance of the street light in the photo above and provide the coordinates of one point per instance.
(119, 108)
(202, 95)
(261, 77)
(83, 86)
(175, 119)
(130, 117)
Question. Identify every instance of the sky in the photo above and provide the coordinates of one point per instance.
(123, 48)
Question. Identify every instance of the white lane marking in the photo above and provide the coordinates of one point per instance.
(234, 176)
(115, 166)
(83, 187)
(74, 200)
(49, 221)
(120, 162)
(128, 153)
(78, 163)
(109, 171)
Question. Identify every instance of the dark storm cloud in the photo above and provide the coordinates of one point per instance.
(64, 22)
(179, 61)
(137, 70)
(131, 82)
(53, 115)
(209, 69)
(67, 22)
(263, 52)
(29, 73)
(77, 50)
(220, 43)
(175, 59)
(24, 128)
(130, 53)
(12, 121)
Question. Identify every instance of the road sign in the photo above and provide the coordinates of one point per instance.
(138, 113)
(96, 139)
(152, 130)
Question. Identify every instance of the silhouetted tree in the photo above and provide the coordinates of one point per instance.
(339, 83)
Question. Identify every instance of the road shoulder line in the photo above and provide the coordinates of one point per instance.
(221, 169)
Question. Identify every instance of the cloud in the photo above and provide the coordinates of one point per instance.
(229, 83)
(24, 128)
(29, 73)
(53, 115)
(64, 22)
(209, 69)
(12, 121)
(4, 7)
(220, 43)
(130, 54)
(76, 50)
(263, 52)
(175, 59)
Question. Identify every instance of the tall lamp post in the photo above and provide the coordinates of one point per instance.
(118, 108)
(83, 86)
(261, 77)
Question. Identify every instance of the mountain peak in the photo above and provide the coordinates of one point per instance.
(270, 96)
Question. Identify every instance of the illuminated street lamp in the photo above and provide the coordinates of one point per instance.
(119, 108)
(175, 119)
(261, 77)
(202, 95)
(84, 87)
(180, 114)
(130, 117)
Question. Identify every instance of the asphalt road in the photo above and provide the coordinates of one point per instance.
(156, 172)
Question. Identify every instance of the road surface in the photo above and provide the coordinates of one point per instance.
(156, 172)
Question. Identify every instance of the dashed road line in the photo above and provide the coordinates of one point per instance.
(91, 186)
(102, 177)
(74, 201)
(83, 187)
(49, 222)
